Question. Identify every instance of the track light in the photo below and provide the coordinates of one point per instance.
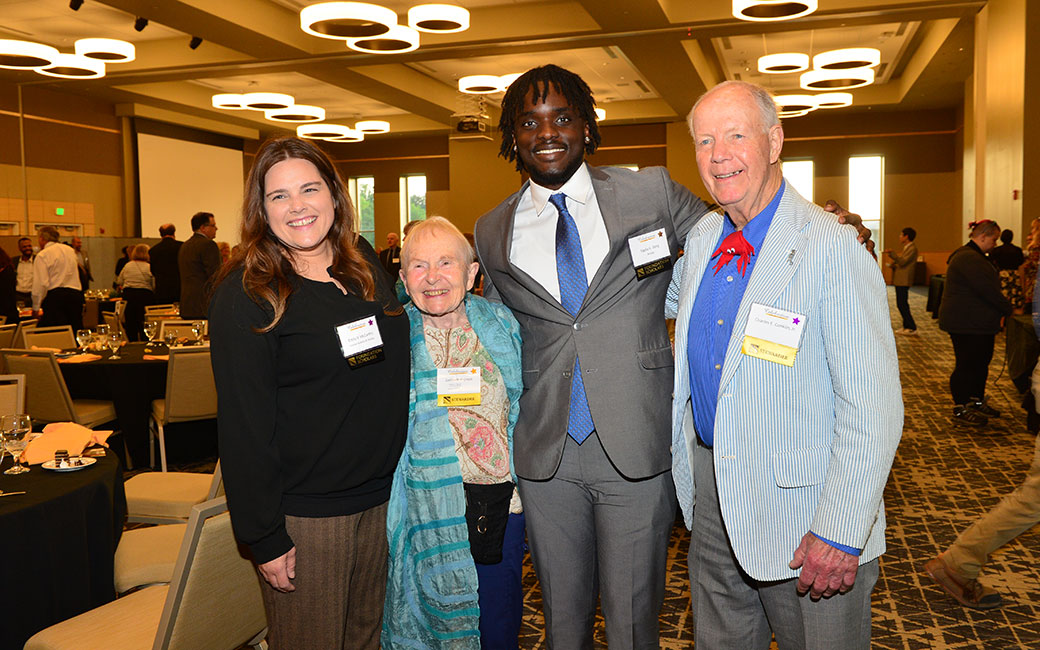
(75, 4)
(140, 23)
(196, 41)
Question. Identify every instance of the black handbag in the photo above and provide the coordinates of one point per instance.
(487, 512)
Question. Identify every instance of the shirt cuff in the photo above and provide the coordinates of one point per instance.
(841, 547)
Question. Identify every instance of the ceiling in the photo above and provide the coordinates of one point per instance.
(646, 60)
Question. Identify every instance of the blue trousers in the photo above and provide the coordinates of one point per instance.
(500, 593)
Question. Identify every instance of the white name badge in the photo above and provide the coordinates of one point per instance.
(773, 334)
(396, 260)
(360, 342)
(458, 386)
(650, 253)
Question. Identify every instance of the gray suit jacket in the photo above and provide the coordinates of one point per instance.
(199, 260)
(619, 333)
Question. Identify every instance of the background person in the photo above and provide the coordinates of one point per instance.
(23, 266)
(85, 276)
(903, 266)
(137, 286)
(198, 261)
(1027, 271)
(971, 312)
(1008, 259)
(390, 257)
(312, 411)
(163, 260)
(8, 297)
(455, 455)
(56, 288)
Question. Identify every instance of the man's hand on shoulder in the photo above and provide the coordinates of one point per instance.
(826, 570)
(852, 219)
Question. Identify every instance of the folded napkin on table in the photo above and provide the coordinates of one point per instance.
(45, 349)
(62, 435)
(80, 358)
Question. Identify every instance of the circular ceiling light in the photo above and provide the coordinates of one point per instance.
(795, 103)
(847, 58)
(372, 126)
(400, 38)
(352, 135)
(267, 101)
(601, 113)
(323, 131)
(480, 84)
(506, 80)
(296, 113)
(72, 66)
(766, 10)
(110, 50)
(438, 18)
(833, 100)
(26, 55)
(837, 79)
(229, 101)
(343, 20)
(783, 63)
(786, 114)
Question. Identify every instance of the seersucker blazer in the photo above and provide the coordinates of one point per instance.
(619, 332)
(800, 448)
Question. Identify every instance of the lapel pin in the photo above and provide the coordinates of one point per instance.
(790, 257)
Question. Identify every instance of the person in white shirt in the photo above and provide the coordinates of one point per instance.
(57, 296)
(138, 286)
(23, 268)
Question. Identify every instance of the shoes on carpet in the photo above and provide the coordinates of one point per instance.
(980, 406)
(964, 414)
(970, 593)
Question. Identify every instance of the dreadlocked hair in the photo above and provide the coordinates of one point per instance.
(541, 80)
(267, 263)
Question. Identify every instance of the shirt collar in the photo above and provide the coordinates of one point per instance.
(578, 188)
(756, 229)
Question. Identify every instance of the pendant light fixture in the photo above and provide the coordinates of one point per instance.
(72, 66)
(344, 20)
(109, 50)
(833, 100)
(795, 103)
(399, 39)
(836, 79)
(296, 113)
(267, 101)
(771, 10)
(26, 55)
(229, 101)
(372, 126)
(480, 84)
(783, 63)
(336, 132)
(847, 58)
(438, 18)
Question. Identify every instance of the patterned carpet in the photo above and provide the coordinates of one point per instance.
(944, 477)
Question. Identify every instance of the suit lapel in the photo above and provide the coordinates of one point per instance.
(782, 252)
(606, 197)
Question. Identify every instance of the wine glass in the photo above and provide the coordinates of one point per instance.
(15, 431)
(196, 329)
(114, 341)
(83, 338)
(151, 328)
(171, 338)
(103, 329)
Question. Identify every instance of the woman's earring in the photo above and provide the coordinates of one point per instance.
(588, 139)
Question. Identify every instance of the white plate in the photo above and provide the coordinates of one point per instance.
(53, 466)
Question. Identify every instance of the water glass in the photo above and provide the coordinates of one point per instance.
(103, 329)
(15, 431)
(196, 329)
(151, 328)
(83, 339)
(114, 341)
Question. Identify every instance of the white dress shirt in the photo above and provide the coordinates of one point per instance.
(533, 249)
(55, 266)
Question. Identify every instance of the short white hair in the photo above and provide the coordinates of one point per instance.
(762, 98)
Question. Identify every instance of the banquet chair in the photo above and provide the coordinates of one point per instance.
(163, 309)
(12, 394)
(213, 601)
(191, 394)
(91, 313)
(182, 328)
(7, 335)
(112, 320)
(59, 337)
(3, 320)
(19, 334)
(47, 396)
(147, 556)
(167, 497)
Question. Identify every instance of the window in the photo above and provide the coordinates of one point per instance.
(362, 190)
(799, 173)
(413, 199)
(866, 189)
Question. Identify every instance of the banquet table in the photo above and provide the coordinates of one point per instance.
(58, 544)
(130, 382)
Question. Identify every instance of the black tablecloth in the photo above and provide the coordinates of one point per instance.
(130, 382)
(57, 542)
(935, 291)
(1022, 350)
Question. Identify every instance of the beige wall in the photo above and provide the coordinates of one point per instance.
(92, 200)
(480, 180)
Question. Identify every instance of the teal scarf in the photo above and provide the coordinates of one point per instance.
(431, 592)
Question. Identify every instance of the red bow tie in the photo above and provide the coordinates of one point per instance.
(733, 245)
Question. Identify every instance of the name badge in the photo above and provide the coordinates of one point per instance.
(360, 342)
(773, 334)
(458, 386)
(650, 253)
(395, 260)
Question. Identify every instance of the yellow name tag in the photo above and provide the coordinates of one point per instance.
(458, 386)
(769, 351)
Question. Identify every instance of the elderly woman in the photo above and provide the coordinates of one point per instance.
(310, 356)
(455, 524)
(970, 312)
(138, 287)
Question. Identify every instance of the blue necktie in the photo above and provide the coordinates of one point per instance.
(570, 269)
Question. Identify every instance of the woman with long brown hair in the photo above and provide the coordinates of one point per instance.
(311, 359)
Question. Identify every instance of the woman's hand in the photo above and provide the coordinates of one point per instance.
(280, 571)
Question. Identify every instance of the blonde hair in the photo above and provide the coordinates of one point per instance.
(139, 252)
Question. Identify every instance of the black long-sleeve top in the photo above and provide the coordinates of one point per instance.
(300, 432)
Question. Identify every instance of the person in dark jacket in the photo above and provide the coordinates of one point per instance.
(8, 302)
(167, 273)
(1008, 258)
(971, 312)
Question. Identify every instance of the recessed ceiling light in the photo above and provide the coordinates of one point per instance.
(296, 113)
(836, 79)
(267, 101)
(783, 62)
(25, 55)
(480, 84)
(110, 50)
(833, 100)
(400, 38)
(847, 58)
(438, 18)
(344, 20)
(72, 66)
(372, 126)
(768, 10)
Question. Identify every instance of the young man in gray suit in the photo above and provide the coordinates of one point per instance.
(592, 443)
